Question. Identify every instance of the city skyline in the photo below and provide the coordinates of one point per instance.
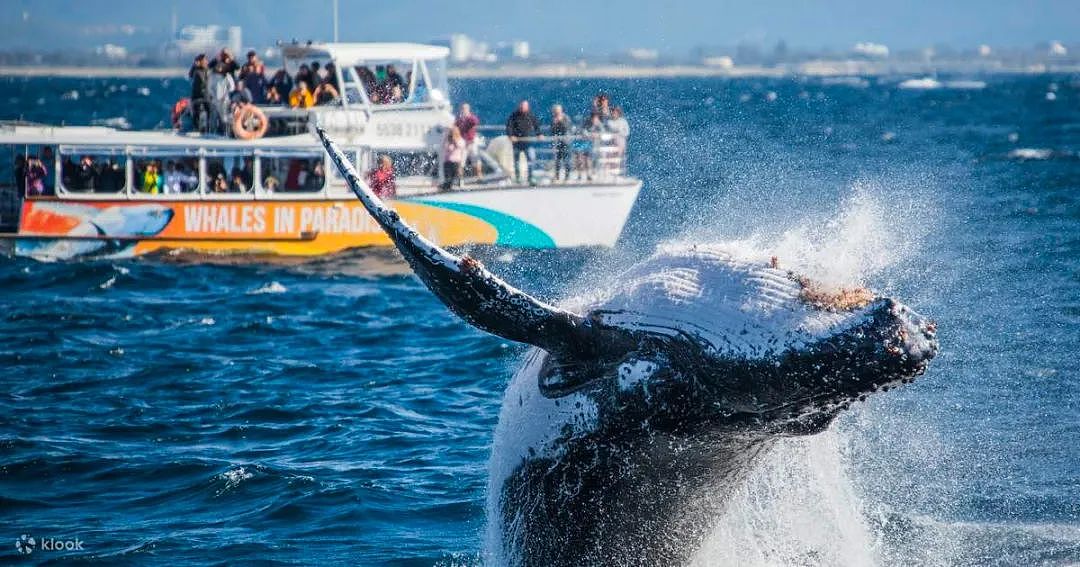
(557, 25)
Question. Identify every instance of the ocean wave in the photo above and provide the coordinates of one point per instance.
(272, 287)
(1026, 154)
(923, 84)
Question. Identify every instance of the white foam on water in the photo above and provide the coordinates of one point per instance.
(1031, 153)
(272, 287)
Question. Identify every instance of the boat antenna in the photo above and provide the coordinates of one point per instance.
(335, 21)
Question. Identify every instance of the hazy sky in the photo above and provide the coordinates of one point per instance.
(600, 25)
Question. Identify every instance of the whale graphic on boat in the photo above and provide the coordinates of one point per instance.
(88, 229)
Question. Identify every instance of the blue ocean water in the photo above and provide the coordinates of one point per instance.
(179, 410)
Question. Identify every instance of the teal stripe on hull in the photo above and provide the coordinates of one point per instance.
(511, 231)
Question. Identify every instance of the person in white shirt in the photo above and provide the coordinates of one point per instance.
(620, 130)
(173, 179)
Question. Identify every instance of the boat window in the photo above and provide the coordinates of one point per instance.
(435, 86)
(32, 170)
(292, 173)
(93, 170)
(229, 174)
(357, 90)
(165, 174)
(389, 83)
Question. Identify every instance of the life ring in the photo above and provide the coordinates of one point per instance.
(178, 110)
(249, 122)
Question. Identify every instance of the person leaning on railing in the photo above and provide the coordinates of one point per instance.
(584, 146)
(561, 127)
(521, 127)
(620, 130)
(467, 122)
(453, 149)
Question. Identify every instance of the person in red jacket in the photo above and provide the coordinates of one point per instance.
(467, 122)
(381, 179)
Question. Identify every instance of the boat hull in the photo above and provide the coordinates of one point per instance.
(556, 216)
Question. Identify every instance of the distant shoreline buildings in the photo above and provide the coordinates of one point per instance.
(471, 56)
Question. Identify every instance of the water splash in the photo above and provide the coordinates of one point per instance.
(867, 232)
(802, 506)
(798, 508)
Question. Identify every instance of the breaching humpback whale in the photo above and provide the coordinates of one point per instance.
(625, 430)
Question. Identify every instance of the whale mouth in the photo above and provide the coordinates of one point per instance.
(893, 347)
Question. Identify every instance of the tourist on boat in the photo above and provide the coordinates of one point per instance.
(225, 63)
(222, 85)
(34, 177)
(68, 169)
(220, 185)
(172, 179)
(112, 177)
(561, 128)
(381, 179)
(522, 127)
(601, 106)
(48, 159)
(152, 180)
(316, 178)
(584, 147)
(620, 130)
(236, 181)
(396, 96)
(304, 74)
(280, 87)
(200, 92)
(394, 78)
(239, 96)
(86, 177)
(367, 78)
(331, 77)
(467, 123)
(453, 149)
(253, 77)
(326, 93)
(189, 179)
(296, 174)
(301, 96)
(20, 171)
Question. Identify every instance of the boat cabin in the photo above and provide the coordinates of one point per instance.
(395, 92)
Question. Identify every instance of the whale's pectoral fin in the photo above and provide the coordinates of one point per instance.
(464, 285)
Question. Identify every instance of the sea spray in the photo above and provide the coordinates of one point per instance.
(797, 508)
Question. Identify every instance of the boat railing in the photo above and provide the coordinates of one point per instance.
(599, 156)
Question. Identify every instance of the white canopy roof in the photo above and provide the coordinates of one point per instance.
(356, 53)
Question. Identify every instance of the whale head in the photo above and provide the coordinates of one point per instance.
(710, 339)
(691, 338)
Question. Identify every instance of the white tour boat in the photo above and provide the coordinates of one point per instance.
(286, 199)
